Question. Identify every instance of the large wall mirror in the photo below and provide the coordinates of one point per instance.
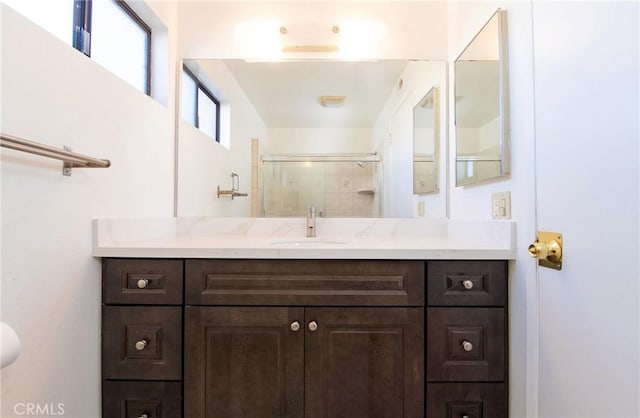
(337, 135)
(481, 107)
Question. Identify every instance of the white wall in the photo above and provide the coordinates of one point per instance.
(204, 164)
(318, 140)
(50, 282)
(474, 202)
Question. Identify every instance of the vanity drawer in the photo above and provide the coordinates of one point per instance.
(142, 281)
(466, 283)
(304, 282)
(142, 343)
(472, 400)
(121, 399)
(465, 344)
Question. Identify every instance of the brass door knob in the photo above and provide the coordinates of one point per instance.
(547, 249)
(550, 250)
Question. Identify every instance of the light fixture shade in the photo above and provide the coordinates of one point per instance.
(310, 48)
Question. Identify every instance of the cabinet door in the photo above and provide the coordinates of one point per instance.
(364, 362)
(243, 362)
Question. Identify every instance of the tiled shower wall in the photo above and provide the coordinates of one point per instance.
(335, 189)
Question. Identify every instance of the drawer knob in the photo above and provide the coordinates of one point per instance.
(464, 416)
(295, 326)
(467, 346)
(468, 284)
(142, 283)
(313, 325)
(145, 415)
(140, 345)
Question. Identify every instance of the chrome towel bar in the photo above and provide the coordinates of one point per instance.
(70, 159)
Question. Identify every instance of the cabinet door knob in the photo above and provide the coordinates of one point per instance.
(145, 415)
(313, 325)
(295, 326)
(140, 345)
(467, 346)
(468, 284)
(464, 416)
(142, 283)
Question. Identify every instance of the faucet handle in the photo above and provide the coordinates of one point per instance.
(311, 222)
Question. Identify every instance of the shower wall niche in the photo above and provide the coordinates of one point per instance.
(337, 186)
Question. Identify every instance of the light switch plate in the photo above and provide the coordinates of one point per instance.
(501, 205)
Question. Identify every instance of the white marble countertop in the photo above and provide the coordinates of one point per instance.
(285, 238)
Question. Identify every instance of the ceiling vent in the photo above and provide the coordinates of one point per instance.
(332, 101)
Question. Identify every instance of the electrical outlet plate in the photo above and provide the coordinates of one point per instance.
(501, 205)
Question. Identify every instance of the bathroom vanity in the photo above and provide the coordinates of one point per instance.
(313, 333)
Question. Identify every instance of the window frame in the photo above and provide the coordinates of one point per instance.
(201, 87)
(82, 15)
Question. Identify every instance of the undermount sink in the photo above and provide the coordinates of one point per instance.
(304, 242)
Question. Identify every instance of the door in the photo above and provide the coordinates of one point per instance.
(587, 133)
(364, 362)
(244, 362)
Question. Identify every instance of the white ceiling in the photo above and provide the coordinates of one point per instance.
(287, 94)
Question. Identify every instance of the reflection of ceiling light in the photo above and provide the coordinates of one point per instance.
(332, 101)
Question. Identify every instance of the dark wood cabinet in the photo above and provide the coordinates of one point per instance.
(304, 338)
(243, 362)
(141, 341)
(312, 362)
(467, 339)
(307, 356)
(364, 362)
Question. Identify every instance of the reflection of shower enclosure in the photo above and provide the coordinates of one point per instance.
(341, 185)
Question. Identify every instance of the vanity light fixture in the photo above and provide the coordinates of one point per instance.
(310, 48)
(271, 40)
(332, 101)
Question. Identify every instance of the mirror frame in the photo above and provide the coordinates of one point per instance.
(503, 95)
(435, 93)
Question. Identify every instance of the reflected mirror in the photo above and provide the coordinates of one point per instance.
(426, 130)
(481, 110)
(335, 135)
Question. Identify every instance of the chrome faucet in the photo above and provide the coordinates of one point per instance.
(311, 222)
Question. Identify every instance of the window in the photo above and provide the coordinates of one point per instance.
(199, 106)
(56, 17)
(113, 35)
